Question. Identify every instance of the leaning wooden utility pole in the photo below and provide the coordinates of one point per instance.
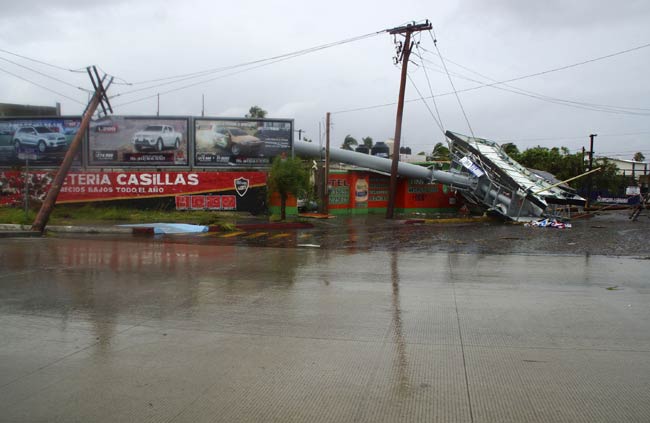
(98, 98)
(403, 52)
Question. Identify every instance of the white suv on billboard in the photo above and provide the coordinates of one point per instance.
(157, 137)
(41, 137)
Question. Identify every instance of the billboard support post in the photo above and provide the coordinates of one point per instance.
(99, 97)
(26, 185)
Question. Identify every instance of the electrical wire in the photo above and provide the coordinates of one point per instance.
(124, 81)
(195, 83)
(426, 104)
(528, 93)
(41, 86)
(433, 97)
(563, 100)
(483, 85)
(451, 81)
(248, 65)
(45, 75)
(542, 97)
(80, 70)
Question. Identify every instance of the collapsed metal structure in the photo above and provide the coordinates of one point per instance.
(480, 170)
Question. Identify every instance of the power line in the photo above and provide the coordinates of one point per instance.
(584, 62)
(195, 83)
(433, 98)
(124, 81)
(435, 43)
(542, 97)
(41, 86)
(531, 92)
(426, 104)
(577, 137)
(587, 106)
(248, 65)
(81, 70)
(45, 75)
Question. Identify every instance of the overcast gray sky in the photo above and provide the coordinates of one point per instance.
(501, 39)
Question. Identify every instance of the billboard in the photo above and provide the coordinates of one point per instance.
(240, 142)
(240, 191)
(118, 141)
(44, 141)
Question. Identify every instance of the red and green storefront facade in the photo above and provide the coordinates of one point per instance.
(361, 192)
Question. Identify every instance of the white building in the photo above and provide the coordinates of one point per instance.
(631, 167)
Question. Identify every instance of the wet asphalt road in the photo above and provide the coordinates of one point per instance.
(351, 321)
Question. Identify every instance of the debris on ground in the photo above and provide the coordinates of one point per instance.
(170, 228)
(549, 223)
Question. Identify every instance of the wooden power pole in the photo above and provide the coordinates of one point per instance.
(404, 51)
(98, 98)
(591, 164)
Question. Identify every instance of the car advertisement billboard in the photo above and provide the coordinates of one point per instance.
(42, 141)
(240, 142)
(138, 141)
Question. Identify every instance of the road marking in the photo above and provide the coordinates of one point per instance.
(256, 235)
(232, 234)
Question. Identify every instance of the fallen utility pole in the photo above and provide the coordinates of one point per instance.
(404, 51)
(568, 180)
(98, 98)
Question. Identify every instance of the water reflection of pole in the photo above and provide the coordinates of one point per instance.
(398, 335)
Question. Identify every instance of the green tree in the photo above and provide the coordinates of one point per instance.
(511, 150)
(287, 176)
(367, 141)
(564, 165)
(607, 179)
(638, 156)
(349, 142)
(256, 112)
(440, 152)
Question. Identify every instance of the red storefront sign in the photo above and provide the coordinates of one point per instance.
(106, 186)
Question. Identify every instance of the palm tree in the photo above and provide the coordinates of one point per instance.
(349, 142)
(367, 141)
(639, 157)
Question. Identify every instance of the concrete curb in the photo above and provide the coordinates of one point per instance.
(449, 220)
(15, 230)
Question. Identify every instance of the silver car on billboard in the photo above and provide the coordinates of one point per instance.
(41, 137)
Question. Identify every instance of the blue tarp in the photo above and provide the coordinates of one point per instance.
(170, 228)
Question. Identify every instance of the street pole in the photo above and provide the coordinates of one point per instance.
(326, 197)
(98, 98)
(406, 52)
(591, 163)
(26, 186)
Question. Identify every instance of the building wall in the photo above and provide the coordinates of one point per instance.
(362, 192)
(23, 110)
(631, 167)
